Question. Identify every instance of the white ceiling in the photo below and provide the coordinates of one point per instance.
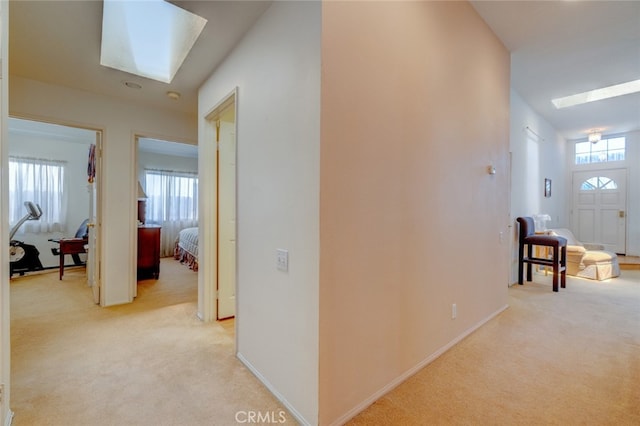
(558, 48)
(48, 130)
(58, 42)
(84, 136)
(167, 148)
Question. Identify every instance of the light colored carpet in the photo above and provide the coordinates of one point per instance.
(148, 363)
(567, 358)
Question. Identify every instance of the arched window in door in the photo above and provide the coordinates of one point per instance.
(598, 182)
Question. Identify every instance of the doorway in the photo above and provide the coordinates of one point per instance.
(167, 182)
(226, 206)
(599, 208)
(58, 167)
(217, 284)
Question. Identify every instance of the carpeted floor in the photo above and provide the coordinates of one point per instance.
(147, 363)
(567, 358)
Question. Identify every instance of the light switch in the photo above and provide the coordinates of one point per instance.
(282, 260)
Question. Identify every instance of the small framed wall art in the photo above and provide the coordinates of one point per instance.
(547, 188)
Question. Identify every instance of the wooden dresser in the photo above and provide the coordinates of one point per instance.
(148, 251)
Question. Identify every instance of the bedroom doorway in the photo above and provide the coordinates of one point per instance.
(58, 167)
(218, 228)
(167, 202)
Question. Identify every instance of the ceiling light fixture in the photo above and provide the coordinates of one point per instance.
(147, 38)
(173, 95)
(594, 136)
(598, 94)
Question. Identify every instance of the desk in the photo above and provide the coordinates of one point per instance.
(148, 251)
(72, 246)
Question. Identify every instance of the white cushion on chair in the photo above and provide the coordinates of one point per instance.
(594, 257)
(588, 260)
(599, 265)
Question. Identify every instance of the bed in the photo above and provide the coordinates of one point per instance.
(186, 248)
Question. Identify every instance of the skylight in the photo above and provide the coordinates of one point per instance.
(148, 38)
(598, 94)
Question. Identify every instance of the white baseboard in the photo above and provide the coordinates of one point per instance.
(9, 419)
(410, 372)
(298, 416)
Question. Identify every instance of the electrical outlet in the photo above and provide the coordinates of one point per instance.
(454, 311)
(282, 260)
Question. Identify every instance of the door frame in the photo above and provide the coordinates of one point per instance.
(94, 276)
(135, 154)
(6, 415)
(97, 226)
(208, 214)
(5, 384)
(225, 134)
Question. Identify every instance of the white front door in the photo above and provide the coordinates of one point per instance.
(226, 220)
(599, 208)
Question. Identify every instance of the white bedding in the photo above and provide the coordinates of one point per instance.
(186, 247)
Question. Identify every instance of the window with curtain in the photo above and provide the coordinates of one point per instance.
(172, 202)
(42, 182)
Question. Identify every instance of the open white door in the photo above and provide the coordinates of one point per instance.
(599, 208)
(93, 265)
(226, 217)
(217, 248)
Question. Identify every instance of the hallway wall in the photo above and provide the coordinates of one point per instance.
(415, 107)
(276, 70)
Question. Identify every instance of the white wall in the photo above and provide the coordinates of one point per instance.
(276, 69)
(633, 198)
(411, 221)
(534, 159)
(74, 153)
(120, 122)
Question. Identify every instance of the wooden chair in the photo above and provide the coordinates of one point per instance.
(557, 260)
(73, 246)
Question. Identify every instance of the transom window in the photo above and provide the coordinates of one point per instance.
(599, 182)
(605, 150)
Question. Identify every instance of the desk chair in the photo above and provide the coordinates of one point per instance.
(557, 260)
(73, 246)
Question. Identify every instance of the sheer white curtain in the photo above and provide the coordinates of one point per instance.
(172, 203)
(42, 182)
